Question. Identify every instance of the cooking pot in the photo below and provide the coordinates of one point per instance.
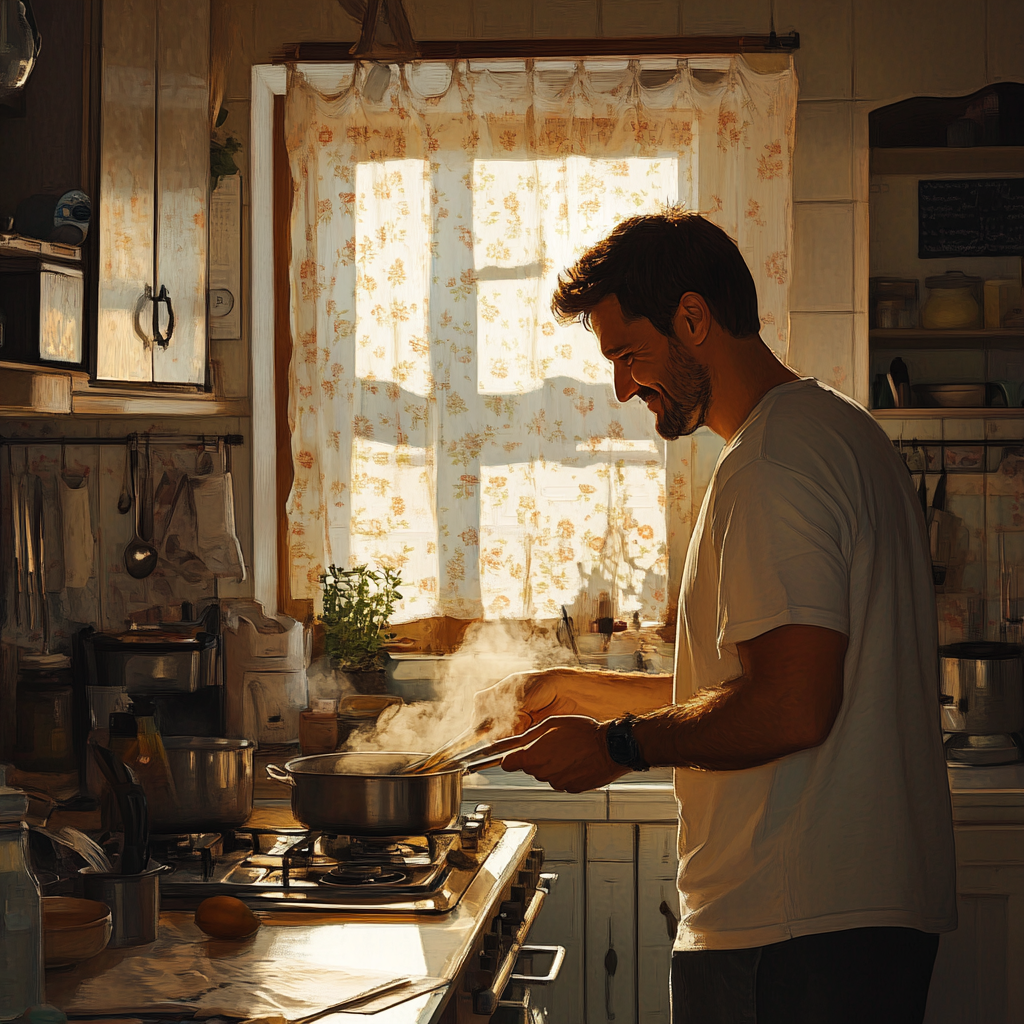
(982, 688)
(212, 785)
(358, 793)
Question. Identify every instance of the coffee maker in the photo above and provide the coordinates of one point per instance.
(982, 696)
(173, 665)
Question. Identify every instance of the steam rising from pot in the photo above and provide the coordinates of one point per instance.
(490, 652)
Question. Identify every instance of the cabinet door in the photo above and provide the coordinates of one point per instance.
(127, 154)
(182, 186)
(561, 924)
(657, 915)
(611, 935)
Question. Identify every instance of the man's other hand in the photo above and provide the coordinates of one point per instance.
(569, 752)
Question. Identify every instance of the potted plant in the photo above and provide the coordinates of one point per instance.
(357, 605)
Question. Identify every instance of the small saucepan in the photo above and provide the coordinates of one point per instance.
(367, 794)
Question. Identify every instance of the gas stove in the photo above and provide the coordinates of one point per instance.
(296, 869)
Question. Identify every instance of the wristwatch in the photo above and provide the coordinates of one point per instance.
(622, 746)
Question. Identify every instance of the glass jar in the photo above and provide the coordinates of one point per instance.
(45, 715)
(21, 917)
(953, 303)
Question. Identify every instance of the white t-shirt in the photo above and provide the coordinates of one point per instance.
(812, 518)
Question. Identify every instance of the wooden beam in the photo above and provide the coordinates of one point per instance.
(571, 49)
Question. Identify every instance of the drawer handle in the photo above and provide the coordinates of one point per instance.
(611, 963)
(556, 965)
(671, 922)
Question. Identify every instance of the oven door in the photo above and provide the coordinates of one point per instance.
(510, 997)
(521, 1002)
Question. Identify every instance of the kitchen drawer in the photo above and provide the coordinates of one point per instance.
(561, 841)
(610, 843)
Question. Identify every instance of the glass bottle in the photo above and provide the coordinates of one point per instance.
(21, 918)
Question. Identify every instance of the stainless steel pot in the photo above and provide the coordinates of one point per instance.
(212, 785)
(982, 688)
(359, 794)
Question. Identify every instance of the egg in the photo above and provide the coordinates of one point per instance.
(224, 917)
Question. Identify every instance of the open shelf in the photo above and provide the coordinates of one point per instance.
(990, 337)
(928, 161)
(947, 414)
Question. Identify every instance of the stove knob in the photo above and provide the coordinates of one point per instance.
(536, 858)
(511, 911)
(470, 835)
(519, 894)
(485, 811)
(526, 878)
(492, 944)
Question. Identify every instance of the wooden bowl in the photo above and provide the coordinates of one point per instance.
(73, 929)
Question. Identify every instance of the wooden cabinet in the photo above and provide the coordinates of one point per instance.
(153, 192)
(978, 977)
(611, 924)
(657, 915)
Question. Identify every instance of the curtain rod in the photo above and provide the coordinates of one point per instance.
(518, 49)
(182, 440)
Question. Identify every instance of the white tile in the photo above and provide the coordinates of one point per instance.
(821, 345)
(499, 19)
(823, 155)
(824, 61)
(822, 257)
(627, 18)
(712, 17)
(917, 47)
(565, 19)
(1005, 40)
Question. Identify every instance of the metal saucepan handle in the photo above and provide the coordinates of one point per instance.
(558, 955)
(488, 755)
(280, 775)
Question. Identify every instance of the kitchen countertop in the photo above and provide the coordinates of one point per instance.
(979, 796)
(430, 948)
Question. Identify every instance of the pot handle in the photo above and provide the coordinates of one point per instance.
(280, 775)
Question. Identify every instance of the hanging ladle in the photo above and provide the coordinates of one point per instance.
(124, 499)
(139, 556)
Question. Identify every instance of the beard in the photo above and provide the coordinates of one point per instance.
(685, 395)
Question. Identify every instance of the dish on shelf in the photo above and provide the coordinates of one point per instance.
(950, 396)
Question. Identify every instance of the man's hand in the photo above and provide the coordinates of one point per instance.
(570, 752)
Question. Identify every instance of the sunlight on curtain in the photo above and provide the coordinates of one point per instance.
(442, 423)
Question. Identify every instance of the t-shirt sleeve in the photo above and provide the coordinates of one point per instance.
(781, 547)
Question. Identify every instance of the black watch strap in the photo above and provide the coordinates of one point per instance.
(622, 746)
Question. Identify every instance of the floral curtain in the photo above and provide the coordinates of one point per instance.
(442, 423)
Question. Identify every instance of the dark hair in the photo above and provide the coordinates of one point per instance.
(648, 262)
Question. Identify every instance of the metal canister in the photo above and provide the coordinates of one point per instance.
(134, 902)
(982, 688)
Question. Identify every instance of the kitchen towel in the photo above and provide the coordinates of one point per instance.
(76, 531)
(215, 515)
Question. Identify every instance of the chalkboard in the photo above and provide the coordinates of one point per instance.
(970, 217)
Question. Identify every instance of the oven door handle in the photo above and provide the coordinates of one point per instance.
(558, 953)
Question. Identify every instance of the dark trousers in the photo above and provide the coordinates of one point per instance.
(860, 976)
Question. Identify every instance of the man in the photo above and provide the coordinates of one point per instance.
(816, 863)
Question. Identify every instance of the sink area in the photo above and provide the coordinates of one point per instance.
(520, 780)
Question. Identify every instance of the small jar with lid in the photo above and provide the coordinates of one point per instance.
(953, 302)
(45, 714)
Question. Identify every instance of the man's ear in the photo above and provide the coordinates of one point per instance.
(694, 313)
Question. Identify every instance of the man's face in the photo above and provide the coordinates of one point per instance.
(675, 386)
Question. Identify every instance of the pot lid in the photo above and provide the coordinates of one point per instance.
(952, 279)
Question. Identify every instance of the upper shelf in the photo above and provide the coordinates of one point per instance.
(948, 160)
(989, 337)
(947, 414)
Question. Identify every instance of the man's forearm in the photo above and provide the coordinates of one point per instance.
(726, 728)
(604, 695)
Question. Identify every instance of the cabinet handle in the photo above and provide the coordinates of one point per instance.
(163, 340)
(611, 962)
(671, 922)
